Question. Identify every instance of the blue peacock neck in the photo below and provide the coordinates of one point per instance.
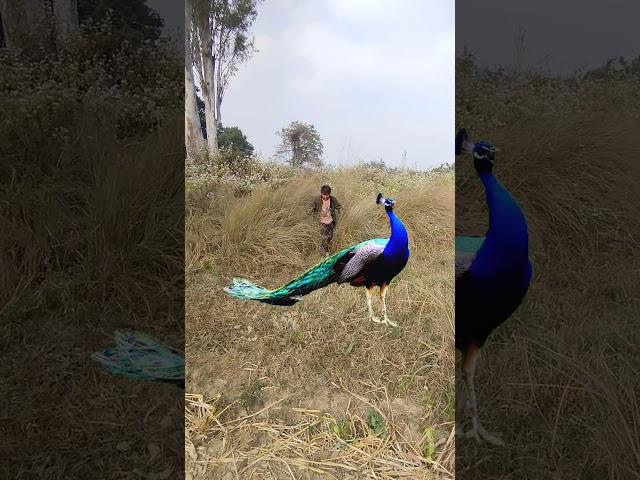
(398, 245)
(508, 233)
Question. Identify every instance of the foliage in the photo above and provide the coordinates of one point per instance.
(377, 423)
(300, 145)
(246, 174)
(235, 169)
(132, 20)
(128, 87)
(489, 99)
(232, 20)
(232, 137)
(429, 446)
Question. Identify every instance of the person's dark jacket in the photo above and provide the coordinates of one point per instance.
(334, 205)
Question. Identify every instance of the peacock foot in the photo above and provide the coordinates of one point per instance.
(479, 433)
(389, 322)
(375, 319)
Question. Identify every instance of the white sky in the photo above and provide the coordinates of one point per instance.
(374, 77)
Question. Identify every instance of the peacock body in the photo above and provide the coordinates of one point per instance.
(493, 272)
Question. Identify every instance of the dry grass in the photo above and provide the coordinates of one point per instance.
(559, 379)
(294, 388)
(92, 242)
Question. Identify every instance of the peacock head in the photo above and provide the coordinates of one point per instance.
(387, 202)
(484, 153)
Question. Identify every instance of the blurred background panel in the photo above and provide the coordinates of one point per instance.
(554, 86)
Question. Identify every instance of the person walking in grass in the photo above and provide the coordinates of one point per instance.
(326, 207)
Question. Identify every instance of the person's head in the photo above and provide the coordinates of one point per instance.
(325, 191)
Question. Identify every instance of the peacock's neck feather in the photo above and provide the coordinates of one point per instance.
(398, 245)
(507, 238)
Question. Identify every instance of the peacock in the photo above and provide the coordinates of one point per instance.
(493, 273)
(142, 357)
(370, 263)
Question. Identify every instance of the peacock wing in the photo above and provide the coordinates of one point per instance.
(362, 257)
(467, 247)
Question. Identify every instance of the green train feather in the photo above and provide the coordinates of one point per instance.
(318, 276)
(142, 357)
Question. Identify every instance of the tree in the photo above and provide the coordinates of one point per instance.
(220, 43)
(300, 144)
(232, 137)
(192, 128)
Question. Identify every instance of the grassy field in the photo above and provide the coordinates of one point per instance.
(315, 390)
(85, 250)
(559, 379)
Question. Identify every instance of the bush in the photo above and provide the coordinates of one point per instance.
(46, 98)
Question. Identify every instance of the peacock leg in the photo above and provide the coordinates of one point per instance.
(383, 293)
(469, 361)
(373, 318)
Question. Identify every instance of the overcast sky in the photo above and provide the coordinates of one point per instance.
(573, 33)
(374, 77)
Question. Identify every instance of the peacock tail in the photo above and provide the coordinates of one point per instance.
(142, 357)
(318, 276)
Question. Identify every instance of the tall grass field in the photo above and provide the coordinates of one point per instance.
(316, 390)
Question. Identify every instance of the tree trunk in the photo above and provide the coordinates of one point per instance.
(206, 71)
(22, 22)
(209, 97)
(65, 13)
(218, 114)
(193, 132)
(297, 154)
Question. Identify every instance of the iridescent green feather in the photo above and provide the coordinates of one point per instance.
(142, 357)
(318, 276)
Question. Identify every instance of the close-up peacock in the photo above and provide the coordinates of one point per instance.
(493, 272)
(370, 263)
(142, 357)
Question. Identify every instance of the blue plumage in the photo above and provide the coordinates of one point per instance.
(493, 273)
(370, 263)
